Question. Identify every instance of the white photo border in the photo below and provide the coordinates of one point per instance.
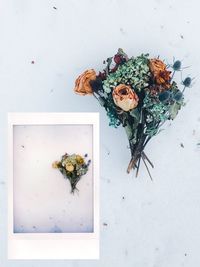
(54, 245)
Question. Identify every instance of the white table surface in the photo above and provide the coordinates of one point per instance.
(143, 223)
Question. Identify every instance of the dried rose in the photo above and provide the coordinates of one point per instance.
(164, 78)
(124, 97)
(55, 164)
(156, 65)
(82, 83)
(160, 73)
(69, 167)
(79, 159)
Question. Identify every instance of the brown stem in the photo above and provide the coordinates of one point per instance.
(132, 164)
(137, 150)
(136, 175)
(145, 157)
(136, 153)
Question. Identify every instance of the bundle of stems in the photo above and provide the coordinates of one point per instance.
(138, 154)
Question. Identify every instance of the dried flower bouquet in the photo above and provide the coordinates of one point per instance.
(72, 167)
(138, 93)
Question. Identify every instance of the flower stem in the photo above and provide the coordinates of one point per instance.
(137, 153)
(143, 158)
(136, 175)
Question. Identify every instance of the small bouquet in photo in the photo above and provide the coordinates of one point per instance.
(138, 93)
(72, 167)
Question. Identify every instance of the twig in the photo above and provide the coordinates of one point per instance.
(172, 75)
(132, 164)
(147, 140)
(183, 89)
(147, 167)
(138, 167)
(145, 156)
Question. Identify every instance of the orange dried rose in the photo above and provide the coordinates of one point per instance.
(82, 83)
(164, 78)
(124, 97)
(160, 73)
(156, 65)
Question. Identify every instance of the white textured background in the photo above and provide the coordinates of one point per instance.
(143, 224)
(42, 199)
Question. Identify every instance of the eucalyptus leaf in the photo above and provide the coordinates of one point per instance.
(173, 110)
(129, 131)
(135, 114)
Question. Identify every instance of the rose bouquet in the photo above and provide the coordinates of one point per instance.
(72, 167)
(138, 93)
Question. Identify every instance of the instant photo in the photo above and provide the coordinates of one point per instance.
(53, 183)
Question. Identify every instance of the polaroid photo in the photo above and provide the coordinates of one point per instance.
(53, 185)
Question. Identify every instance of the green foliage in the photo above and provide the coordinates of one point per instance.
(135, 114)
(174, 109)
(156, 110)
(114, 121)
(177, 101)
(129, 131)
(134, 72)
(111, 112)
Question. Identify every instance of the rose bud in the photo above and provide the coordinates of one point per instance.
(118, 59)
(102, 75)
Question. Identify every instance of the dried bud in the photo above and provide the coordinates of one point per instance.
(177, 65)
(118, 59)
(187, 82)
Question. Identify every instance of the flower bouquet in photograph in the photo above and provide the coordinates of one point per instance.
(138, 93)
(72, 167)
